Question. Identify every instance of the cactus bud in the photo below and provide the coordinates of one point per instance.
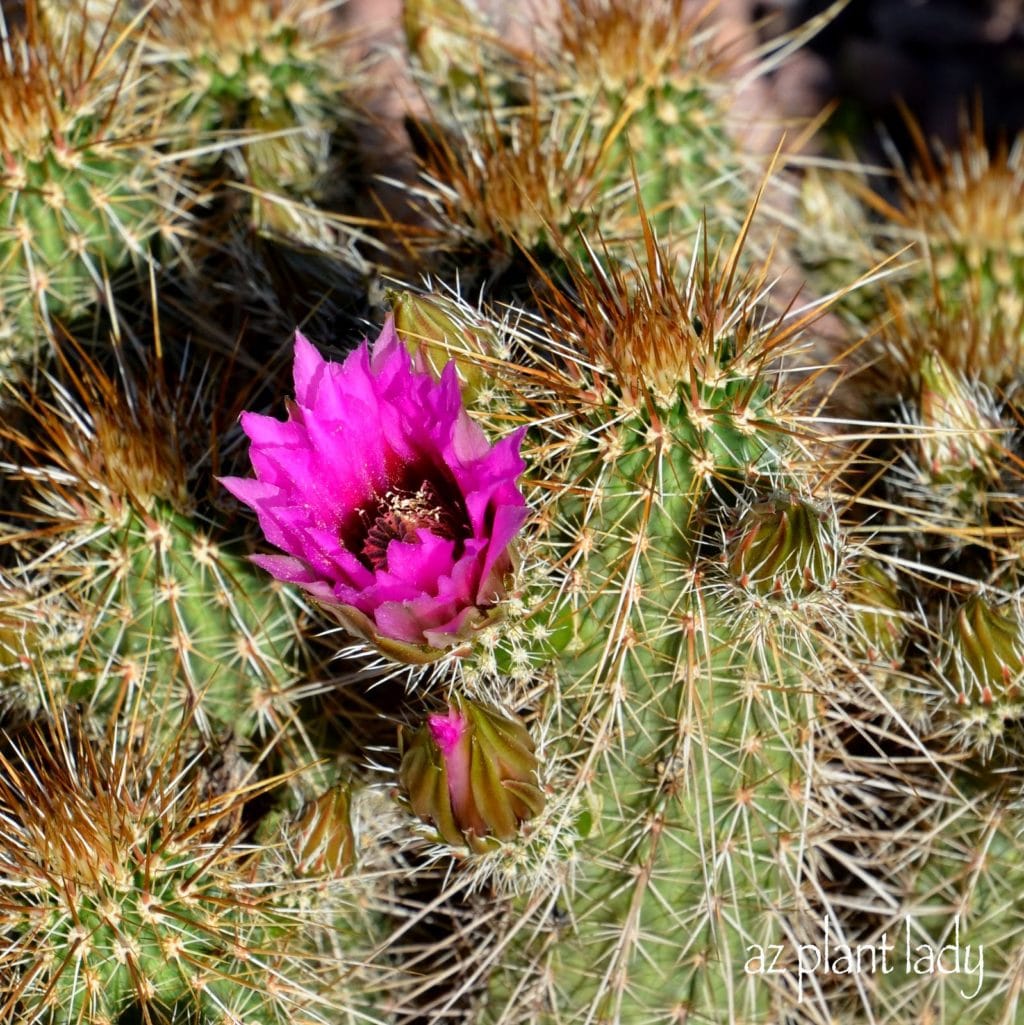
(984, 668)
(960, 444)
(784, 548)
(879, 633)
(473, 773)
(323, 830)
(429, 327)
(987, 657)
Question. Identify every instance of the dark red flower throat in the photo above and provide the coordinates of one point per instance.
(412, 501)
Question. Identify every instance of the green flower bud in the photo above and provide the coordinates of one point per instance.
(430, 328)
(879, 632)
(986, 662)
(785, 548)
(961, 443)
(323, 831)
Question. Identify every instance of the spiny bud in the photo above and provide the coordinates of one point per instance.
(324, 835)
(785, 548)
(960, 443)
(987, 654)
(430, 326)
(874, 600)
(473, 773)
(984, 667)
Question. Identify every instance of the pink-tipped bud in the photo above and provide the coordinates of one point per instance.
(472, 772)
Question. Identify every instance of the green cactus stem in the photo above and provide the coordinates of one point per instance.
(678, 739)
(130, 889)
(175, 626)
(83, 188)
(259, 83)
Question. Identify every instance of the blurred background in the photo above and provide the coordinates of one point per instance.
(938, 56)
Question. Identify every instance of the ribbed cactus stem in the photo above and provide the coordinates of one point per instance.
(195, 629)
(692, 754)
(130, 890)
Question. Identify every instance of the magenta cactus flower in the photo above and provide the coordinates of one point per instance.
(393, 509)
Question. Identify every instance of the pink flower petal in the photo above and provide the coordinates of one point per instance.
(447, 730)
(420, 565)
(307, 371)
(451, 735)
(250, 491)
(389, 356)
(284, 567)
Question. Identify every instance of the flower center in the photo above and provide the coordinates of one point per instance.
(400, 513)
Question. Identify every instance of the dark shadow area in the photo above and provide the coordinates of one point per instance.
(939, 57)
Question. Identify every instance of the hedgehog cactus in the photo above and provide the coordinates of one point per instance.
(965, 206)
(964, 903)
(690, 738)
(937, 647)
(258, 82)
(193, 629)
(650, 76)
(683, 553)
(951, 252)
(173, 626)
(650, 672)
(557, 146)
(159, 875)
(132, 891)
(83, 189)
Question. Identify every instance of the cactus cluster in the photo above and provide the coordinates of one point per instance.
(571, 653)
